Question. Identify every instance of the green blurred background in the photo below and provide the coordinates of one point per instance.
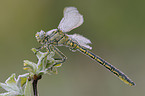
(115, 27)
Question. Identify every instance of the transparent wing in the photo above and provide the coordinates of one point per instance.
(72, 19)
(82, 41)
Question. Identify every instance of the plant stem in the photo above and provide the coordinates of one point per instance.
(35, 82)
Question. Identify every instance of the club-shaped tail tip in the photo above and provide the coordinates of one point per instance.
(132, 84)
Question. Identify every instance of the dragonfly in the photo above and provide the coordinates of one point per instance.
(59, 37)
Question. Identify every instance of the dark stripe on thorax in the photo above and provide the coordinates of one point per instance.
(53, 33)
(61, 37)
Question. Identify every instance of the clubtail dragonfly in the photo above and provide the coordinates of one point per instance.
(59, 37)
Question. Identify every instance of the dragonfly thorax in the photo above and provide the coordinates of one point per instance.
(54, 37)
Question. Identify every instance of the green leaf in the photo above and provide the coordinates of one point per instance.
(51, 55)
(14, 86)
(39, 54)
(28, 88)
(11, 91)
(22, 80)
(43, 55)
(11, 82)
(6, 87)
(9, 94)
(34, 50)
(50, 60)
(31, 64)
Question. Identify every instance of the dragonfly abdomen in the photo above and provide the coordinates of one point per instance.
(72, 44)
(107, 65)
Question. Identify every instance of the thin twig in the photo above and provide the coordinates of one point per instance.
(35, 81)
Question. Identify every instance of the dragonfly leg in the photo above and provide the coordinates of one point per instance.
(63, 57)
(39, 48)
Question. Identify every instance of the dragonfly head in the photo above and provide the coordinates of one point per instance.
(40, 36)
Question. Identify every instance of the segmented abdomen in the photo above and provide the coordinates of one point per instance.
(107, 65)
